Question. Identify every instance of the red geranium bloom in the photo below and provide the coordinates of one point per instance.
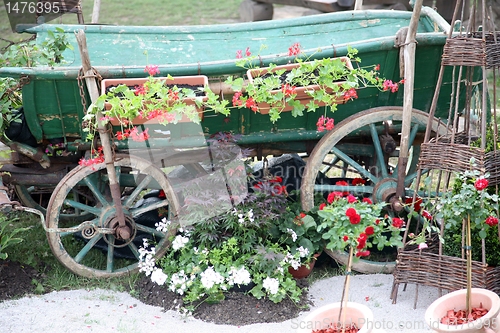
(491, 221)
(351, 198)
(322, 206)
(481, 184)
(368, 201)
(346, 238)
(333, 196)
(351, 212)
(358, 181)
(369, 230)
(427, 215)
(355, 219)
(397, 222)
(302, 215)
(363, 253)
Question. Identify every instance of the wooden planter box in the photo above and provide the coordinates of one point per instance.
(302, 95)
(194, 81)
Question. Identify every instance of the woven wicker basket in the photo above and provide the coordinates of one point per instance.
(464, 51)
(492, 48)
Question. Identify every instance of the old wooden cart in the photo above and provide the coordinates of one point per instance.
(80, 199)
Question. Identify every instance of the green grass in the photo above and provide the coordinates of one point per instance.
(142, 12)
(34, 251)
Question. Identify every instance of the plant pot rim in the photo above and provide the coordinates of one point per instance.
(435, 323)
(368, 314)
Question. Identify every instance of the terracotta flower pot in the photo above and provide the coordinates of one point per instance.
(456, 301)
(195, 81)
(320, 318)
(302, 95)
(304, 270)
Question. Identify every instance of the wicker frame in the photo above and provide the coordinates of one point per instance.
(452, 157)
(464, 51)
(441, 271)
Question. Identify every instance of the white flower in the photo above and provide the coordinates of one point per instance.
(159, 277)
(241, 219)
(271, 285)
(292, 233)
(250, 215)
(179, 242)
(239, 276)
(210, 277)
(178, 282)
(295, 264)
(163, 225)
(147, 262)
(303, 252)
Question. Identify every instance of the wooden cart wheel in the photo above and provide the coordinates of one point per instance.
(366, 146)
(252, 11)
(38, 197)
(92, 253)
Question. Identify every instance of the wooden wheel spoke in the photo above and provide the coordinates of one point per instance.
(378, 151)
(94, 188)
(141, 210)
(83, 207)
(359, 168)
(149, 230)
(134, 250)
(137, 191)
(85, 250)
(111, 253)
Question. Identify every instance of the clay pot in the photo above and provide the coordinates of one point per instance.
(320, 318)
(304, 270)
(489, 323)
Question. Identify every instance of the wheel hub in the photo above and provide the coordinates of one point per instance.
(124, 233)
(385, 191)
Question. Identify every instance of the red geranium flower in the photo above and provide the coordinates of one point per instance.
(481, 184)
(322, 206)
(333, 196)
(368, 201)
(397, 222)
(351, 198)
(363, 253)
(369, 230)
(491, 221)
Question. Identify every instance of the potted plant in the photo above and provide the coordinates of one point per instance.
(470, 204)
(352, 224)
(304, 84)
(297, 232)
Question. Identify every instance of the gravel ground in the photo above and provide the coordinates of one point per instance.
(107, 311)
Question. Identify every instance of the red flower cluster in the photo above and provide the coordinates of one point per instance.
(324, 123)
(99, 158)
(491, 221)
(249, 102)
(362, 241)
(239, 53)
(140, 90)
(332, 196)
(133, 134)
(397, 222)
(481, 184)
(274, 186)
(358, 181)
(288, 90)
(350, 94)
(294, 49)
(389, 85)
(152, 69)
(353, 215)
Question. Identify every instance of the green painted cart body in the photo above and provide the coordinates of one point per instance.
(54, 107)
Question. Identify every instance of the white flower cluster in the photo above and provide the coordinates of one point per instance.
(163, 225)
(243, 217)
(239, 276)
(292, 233)
(210, 277)
(158, 276)
(303, 252)
(147, 262)
(179, 242)
(179, 282)
(271, 285)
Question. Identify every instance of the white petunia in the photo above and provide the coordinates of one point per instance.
(271, 285)
(179, 242)
(163, 225)
(292, 233)
(239, 276)
(210, 277)
(303, 252)
(159, 277)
